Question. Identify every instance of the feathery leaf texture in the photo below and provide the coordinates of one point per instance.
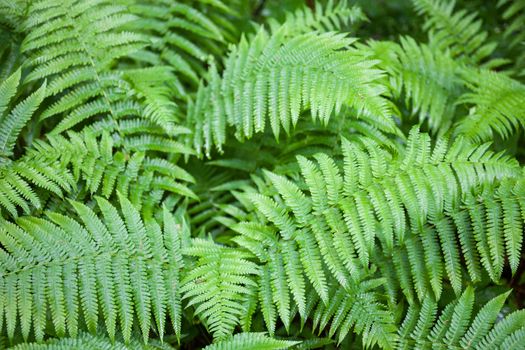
(460, 32)
(497, 102)
(458, 328)
(277, 77)
(12, 121)
(390, 200)
(87, 341)
(114, 267)
(216, 285)
(251, 341)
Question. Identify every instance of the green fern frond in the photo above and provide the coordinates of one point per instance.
(277, 77)
(12, 121)
(105, 169)
(332, 16)
(498, 106)
(184, 34)
(359, 311)
(252, 341)
(427, 79)
(87, 341)
(456, 328)
(217, 284)
(74, 46)
(383, 198)
(514, 13)
(459, 32)
(100, 268)
(22, 181)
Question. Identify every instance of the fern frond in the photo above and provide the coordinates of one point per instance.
(277, 77)
(332, 16)
(458, 31)
(428, 80)
(412, 200)
(498, 106)
(105, 169)
(216, 285)
(457, 328)
(12, 121)
(185, 34)
(22, 181)
(87, 341)
(100, 268)
(252, 341)
(74, 45)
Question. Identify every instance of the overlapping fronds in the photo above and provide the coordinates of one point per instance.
(73, 45)
(217, 284)
(14, 118)
(113, 267)
(498, 106)
(277, 77)
(184, 34)
(456, 327)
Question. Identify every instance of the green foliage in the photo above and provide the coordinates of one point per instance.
(277, 76)
(251, 174)
(114, 268)
(251, 341)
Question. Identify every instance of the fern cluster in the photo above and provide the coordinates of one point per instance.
(246, 174)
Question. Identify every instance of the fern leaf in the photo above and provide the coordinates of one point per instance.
(102, 268)
(258, 76)
(217, 284)
(497, 101)
(252, 341)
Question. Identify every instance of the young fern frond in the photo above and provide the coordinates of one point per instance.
(251, 341)
(277, 77)
(498, 106)
(217, 284)
(458, 328)
(116, 268)
(459, 32)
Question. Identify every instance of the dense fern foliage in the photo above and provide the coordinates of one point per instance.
(262, 174)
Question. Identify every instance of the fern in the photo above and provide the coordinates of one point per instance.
(88, 341)
(13, 120)
(457, 328)
(458, 31)
(497, 100)
(116, 268)
(216, 284)
(76, 53)
(251, 341)
(332, 16)
(105, 169)
(380, 198)
(428, 80)
(277, 77)
(357, 192)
